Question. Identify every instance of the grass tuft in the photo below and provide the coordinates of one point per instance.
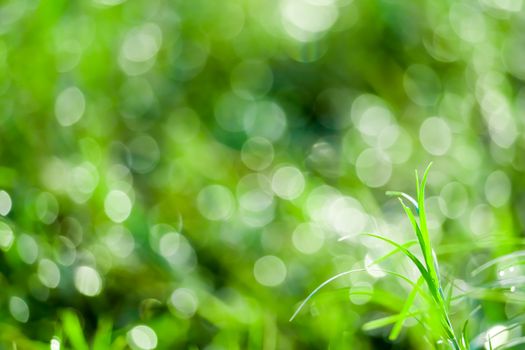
(437, 307)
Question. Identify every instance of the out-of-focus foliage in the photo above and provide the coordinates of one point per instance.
(176, 174)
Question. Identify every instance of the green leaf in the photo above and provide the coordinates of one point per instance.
(423, 216)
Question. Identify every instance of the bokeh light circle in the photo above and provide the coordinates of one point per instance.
(269, 271)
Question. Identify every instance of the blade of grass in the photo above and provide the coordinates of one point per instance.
(319, 287)
(408, 254)
(512, 343)
(387, 255)
(450, 291)
(478, 245)
(73, 330)
(404, 195)
(423, 241)
(404, 314)
(387, 320)
(429, 256)
(345, 273)
(391, 253)
(102, 339)
(492, 295)
(432, 267)
(428, 267)
(434, 290)
(464, 336)
(515, 255)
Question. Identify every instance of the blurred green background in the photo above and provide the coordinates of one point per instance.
(177, 174)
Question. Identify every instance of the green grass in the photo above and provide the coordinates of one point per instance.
(192, 108)
(435, 316)
(426, 302)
